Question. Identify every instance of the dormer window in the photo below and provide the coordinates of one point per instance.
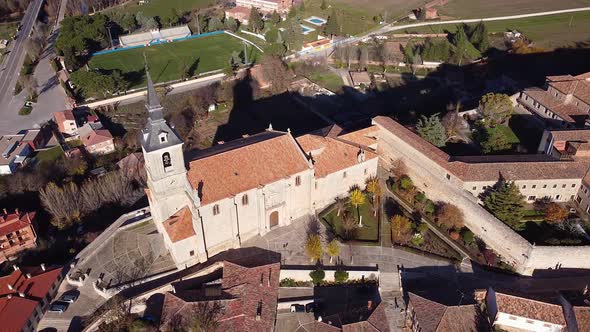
(163, 137)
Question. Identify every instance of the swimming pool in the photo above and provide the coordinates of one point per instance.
(315, 20)
(305, 29)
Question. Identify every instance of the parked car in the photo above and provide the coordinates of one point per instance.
(310, 307)
(69, 298)
(58, 307)
(297, 308)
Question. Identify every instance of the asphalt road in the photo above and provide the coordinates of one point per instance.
(11, 66)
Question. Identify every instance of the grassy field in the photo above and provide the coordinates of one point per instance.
(164, 8)
(551, 31)
(167, 60)
(7, 30)
(370, 229)
(50, 155)
(327, 80)
(486, 8)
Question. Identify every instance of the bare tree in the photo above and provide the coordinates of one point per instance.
(201, 316)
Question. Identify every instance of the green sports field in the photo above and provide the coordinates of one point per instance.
(166, 61)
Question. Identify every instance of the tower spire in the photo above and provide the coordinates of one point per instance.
(153, 102)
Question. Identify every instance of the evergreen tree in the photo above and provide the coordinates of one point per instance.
(496, 108)
(463, 48)
(431, 129)
(332, 27)
(492, 140)
(231, 24)
(275, 18)
(214, 24)
(479, 37)
(255, 20)
(272, 35)
(293, 36)
(506, 203)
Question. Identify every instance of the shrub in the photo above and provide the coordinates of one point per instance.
(455, 235)
(405, 182)
(417, 240)
(420, 197)
(422, 228)
(317, 276)
(287, 282)
(340, 276)
(429, 207)
(25, 111)
(468, 237)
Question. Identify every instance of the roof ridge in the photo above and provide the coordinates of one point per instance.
(529, 299)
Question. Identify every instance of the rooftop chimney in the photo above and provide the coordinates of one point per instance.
(28, 275)
(9, 296)
(15, 267)
(10, 287)
(5, 211)
(369, 304)
(21, 294)
(43, 266)
(16, 210)
(173, 289)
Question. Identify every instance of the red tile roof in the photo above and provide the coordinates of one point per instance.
(488, 168)
(563, 110)
(180, 225)
(11, 222)
(532, 309)
(60, 117)
(435, 317)
(567, 84)
(331, 154)
(582, 318)
(96, 137)
(227, 173)
(365, 137)
(15, 312)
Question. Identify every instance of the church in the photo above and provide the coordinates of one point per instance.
(220, 197)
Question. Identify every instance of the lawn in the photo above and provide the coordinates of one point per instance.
(50, 155)
(327, 80)
(506, 132)
(7, 30)
(370, 229)
(167, 60)
(163, 8)
(486, 8)
(549, 32)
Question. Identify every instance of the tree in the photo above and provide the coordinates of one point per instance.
(275, 71)
(431, 129)
(150, 23)
(275, 18)
(449, 216)
(214, 24)
(356, 199)
(293, 36)
(506, 203)
(364, 57)
(332, 26)
(202, 316)
(374, 188)
(405, 182)
(463, 48)
(128, 22)
(340, 276)
(401, 229)
(492, 140)
(33, 48)
(333, 249)
(313, 247)
(323, 6)
(496, 108)
(349, 226)
(255, 20)
(555, 213)
(452, 122)
(479, 37)
(231, 24)
(272, 35)
(317, 276)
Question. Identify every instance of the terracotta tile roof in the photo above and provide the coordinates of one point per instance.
(240, 10)
(582, 318)
(15, 312)
(365, 137)
(577, 86)
(180, 225)
(585, 76)
(251, 291)
(96, 137)
(331, 154)
(11, 222)
(360, 327)
(378, 318)
(485, 168)
(436, 317)
(360, 77)
(522, 307)
(256, 161)
(563, 110)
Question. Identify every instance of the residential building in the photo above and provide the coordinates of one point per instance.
(535, 313)
(155, 36)
(17, 233)
(564, 102)
(242, 14)
(424, 315)
(243, 188)
(248, 296)
(267, 6)
(360, 78)
(25, 295)
(95, 138)
(66, 122)
(14, 153)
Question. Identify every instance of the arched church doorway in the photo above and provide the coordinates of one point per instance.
(274, 219)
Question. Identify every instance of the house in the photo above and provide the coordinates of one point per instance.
(563, 103)
(66, 122)
(242, 14)
(424, 315)
(267, 6)
(553, 312)
(14, 153)
(25, 295)
(155, 36)
(96, 139)
(242, 188)
(17, 233)
(36, 138)
(248, 296)
(360, 78)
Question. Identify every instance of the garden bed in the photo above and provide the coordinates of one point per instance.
(368, 232)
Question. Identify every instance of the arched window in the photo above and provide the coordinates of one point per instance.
(245, 199)
(166, 160)
(215, 209)
(298, 180)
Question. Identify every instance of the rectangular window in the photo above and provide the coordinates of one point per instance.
(344, 175)
(532, 198)
(534, 186)
(563, 186)
(298, 180)
(245, 200)
(554, 186)
(544, 186)
(557, 197)
(578, 199)
(573, 185)
(192, 253)
(524, 186)
(448, 176)
(474, 188)
(215, 209)
(366, 171)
